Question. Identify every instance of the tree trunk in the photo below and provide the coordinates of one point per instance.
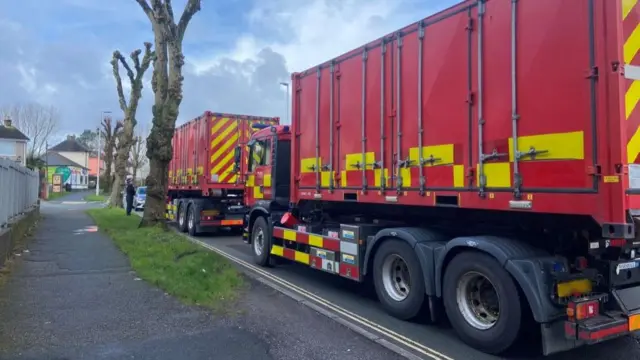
(167, 89)
(155, 206)
(122, 155)
(108, 162)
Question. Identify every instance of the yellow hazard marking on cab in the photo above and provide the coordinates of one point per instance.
(627, 6)
(632, 95)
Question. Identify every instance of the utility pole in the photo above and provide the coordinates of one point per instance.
(99, 151)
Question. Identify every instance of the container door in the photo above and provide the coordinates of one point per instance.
(225, 135)
(539, 116)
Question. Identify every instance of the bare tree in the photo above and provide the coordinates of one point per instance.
(138, 153)
(110, 131)
(36, 121)
(125, 139)
(167, 87)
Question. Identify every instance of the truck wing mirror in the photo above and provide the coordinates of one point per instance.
(237, 157)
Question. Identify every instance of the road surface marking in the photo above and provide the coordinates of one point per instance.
(433, 354)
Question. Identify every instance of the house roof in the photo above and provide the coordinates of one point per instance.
(70, 145)
(55, 159)
(11, 132)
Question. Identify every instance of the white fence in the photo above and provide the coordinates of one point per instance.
(19, 188)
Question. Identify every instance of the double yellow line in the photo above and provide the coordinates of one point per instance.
(400, 339)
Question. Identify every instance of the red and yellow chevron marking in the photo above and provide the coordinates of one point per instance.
(631, 47)
(322, 242)
(290, 254)
(224, 137)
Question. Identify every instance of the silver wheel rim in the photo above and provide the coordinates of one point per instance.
(181, 217)
(478, 300)
(258, 242)
(191, 219)
(396, 278)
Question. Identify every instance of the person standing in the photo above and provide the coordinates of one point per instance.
(130, 191)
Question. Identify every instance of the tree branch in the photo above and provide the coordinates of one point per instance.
(135, 56)
(147, 9)
(123, 61)
(116, 75)
(164, 17)
(193, 6)
(168, 8)
(148, 57)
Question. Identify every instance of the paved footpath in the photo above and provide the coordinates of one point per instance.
(74, 296)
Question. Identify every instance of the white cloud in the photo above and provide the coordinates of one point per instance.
(313, 31)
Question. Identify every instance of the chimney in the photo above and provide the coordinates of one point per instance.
(7, 121)
(71, 137)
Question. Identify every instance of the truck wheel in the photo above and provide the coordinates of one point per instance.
(191, 221)
(482, 302)
(261, 241)
(182, 218)
(398, 279)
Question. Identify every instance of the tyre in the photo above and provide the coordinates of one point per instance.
(191, 221)
(261, 241)
(398, 279)
(482, 302)
(182, 217)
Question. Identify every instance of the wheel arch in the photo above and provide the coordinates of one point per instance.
(524, 263)
(421, 240)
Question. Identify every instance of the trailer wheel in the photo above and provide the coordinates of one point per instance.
(398, 279)
(191, 221)
(482, 302)
(261, 241)
(182, 217)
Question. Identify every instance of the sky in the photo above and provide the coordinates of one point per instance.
(237, 51)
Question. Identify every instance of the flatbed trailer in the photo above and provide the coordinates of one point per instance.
(207, 172)
(481, 164)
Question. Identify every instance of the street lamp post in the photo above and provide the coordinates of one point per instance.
(99, 152)
(286, 101)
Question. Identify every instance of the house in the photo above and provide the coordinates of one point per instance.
(74, 174)
(13, 143)
(93, 166)
(73, 150)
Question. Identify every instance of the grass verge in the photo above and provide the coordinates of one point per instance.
(94, 197)
(168, 260)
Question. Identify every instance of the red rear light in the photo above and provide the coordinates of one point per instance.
(617, 242)
(583, 310)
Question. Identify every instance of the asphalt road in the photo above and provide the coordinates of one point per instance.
(73, 295)
(360, 300)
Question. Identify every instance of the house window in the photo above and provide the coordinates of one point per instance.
(7, 148)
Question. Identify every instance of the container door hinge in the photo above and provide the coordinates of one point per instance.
(593, 73)
(595, 170)
(469, 26)
(470, 98)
